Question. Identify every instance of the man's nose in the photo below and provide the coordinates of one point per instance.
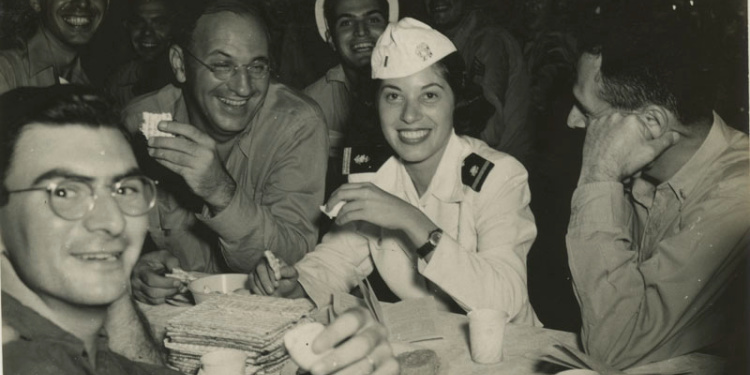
(241, 82)
(361, 28)
(81, 3)
(576, 119)
(105, 216)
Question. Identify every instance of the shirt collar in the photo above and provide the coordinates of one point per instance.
(446, 184)
(41, 57)
(684, 181)
(689, 175)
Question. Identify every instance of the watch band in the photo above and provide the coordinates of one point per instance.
(432, 241)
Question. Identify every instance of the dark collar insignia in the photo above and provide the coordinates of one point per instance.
(475, 170)
(364, 159)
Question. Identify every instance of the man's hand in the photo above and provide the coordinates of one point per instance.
(192, 154)
(148, 281)
(360, 346)
(619, 145)
(263, 282)
(367, 202)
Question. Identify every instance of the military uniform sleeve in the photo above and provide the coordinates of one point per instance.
(338, 263)
(493, 275)
(284, 221)
(635, 311)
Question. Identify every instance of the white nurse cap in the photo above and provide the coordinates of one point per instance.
(407, 47)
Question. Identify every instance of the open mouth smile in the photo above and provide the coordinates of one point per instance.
(413, 136)
(78, 21)
(99, 257)
(233, 102)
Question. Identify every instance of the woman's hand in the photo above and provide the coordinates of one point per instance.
(263, 281)
(367, 202)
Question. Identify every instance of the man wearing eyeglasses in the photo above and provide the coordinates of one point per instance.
(245, 172)
(73, 217)
(73, 209)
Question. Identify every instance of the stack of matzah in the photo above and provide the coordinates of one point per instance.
(254, 324)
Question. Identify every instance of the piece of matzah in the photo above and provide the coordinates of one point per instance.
(150, 123)
(274, 263)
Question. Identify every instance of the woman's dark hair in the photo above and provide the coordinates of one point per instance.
(471, 110)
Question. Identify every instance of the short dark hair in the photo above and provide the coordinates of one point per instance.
(471, 109)
(198, 8)
(330, 15)
(651, 54)
(58, 105)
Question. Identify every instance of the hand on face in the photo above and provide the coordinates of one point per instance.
(193, 155)
(619, 145)
(360, 346)
(263, 281)
(147, 280)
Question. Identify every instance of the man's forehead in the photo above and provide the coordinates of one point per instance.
(100, 151)
(344, 7)
(217, 30)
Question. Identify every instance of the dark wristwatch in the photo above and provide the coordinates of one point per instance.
(432, 241)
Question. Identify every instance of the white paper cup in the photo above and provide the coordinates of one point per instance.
(486, 331)
(223, 362)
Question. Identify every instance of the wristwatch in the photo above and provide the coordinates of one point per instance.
(432, 241)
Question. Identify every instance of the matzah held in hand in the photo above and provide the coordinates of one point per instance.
(150, 123)
(274, 263)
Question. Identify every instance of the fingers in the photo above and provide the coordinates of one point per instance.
(172, 157)
(262, 280)
(379, 361)
(348, 192)
(342, 328)
(363, 352)
(185, 130)
(351, 211)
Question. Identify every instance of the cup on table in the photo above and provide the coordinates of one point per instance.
(486, 331)
(223, 362)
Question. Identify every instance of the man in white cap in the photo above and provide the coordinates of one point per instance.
(351, 28)
(495, 60)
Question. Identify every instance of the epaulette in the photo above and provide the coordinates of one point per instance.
(475, 170)
(364, 158)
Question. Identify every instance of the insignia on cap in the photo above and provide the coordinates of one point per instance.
(423, 51)
(364, 159)
(475, 170)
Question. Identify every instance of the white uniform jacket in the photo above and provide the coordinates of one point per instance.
(480, 261)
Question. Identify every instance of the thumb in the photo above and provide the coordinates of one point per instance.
(172, 262)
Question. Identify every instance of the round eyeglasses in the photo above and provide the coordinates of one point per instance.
(225, 71)
(72, 199)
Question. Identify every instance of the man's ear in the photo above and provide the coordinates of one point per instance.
(35, 4)
(329, 40)
(657, 119)
(177, 60)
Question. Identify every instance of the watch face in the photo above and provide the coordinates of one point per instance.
(435, 237)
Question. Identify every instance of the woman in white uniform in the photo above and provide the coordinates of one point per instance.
(447, 217)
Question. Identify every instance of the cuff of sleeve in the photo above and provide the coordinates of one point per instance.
(232, 222)
(598, 205)
(319, 295)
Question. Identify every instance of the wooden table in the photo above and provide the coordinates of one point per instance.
(522, 347)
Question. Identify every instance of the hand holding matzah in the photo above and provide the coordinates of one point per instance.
(354, 341)
(273, 277)
(150, 124)
(192, 154)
